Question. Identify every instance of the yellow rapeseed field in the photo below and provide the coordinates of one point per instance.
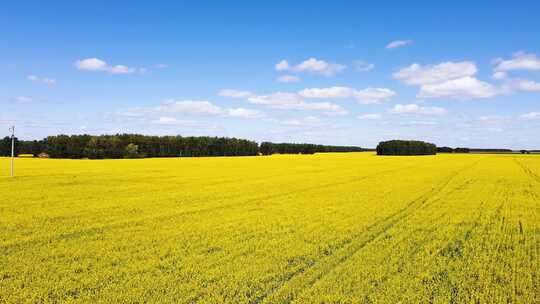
(332, 228)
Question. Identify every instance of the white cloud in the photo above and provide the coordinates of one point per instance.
(288, 78)
(491, 119)
(23, 99)
(305, 121)
(461, 88)
(500, 75)
(91, 64)
(161, 66)
(191, 107)
(530, 115)
(122, 69)
(167, 119)
(312, 65)
(362, 66)
(282, 65)
(398, 43)
(98, 65)
(519, 61)
(44, 80)
(332, 92)
(454, 80)
(235, 93)
(523, 85)
(365, 96)
(187, 107)
(292, 101)
(374, 95)
(244, 113)
(416, 109)
(421, 123)
(285, 101)
(416, 74)
(370, 116)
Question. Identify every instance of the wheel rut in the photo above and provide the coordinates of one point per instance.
(293, 284)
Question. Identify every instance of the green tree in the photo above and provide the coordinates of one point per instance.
(131, 151)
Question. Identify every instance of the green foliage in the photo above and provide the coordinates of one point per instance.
(406, 147)
(114, 146)
(5, 146)
(268, 148)
(462, 150)
(444, 150)
(131, 151)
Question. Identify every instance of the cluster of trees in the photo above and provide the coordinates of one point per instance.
(470, 150)
(452, 150)
(406, 147)
(268, 148)
(134, 146)
(5, 146)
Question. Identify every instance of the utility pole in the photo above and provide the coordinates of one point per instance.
(12, 129)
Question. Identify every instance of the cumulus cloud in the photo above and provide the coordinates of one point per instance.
(362, 66)
(235, 93)
(492, 119)
(121, 69)
(305, 121)
(23, 99)
(398, 43)
(288, 78)
(191, 107)
(244, 113)
(311, 65)
(523, 85)
(519, 61)
(187, 107)
(530, 115)
(285, 101)
(365, 96)
(98, 65)
(500, 75)
(416, 109)
(91, 64)
(454, 80)
(331, 92)
(461, 88)
(44, 80)
(373, 95)
(292, 101)
(370, 116)
(417, 74)
(283, 65)
(171, 121)
(167, 120)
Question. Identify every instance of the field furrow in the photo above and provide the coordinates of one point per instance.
(324, 228)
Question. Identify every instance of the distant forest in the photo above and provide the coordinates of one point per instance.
(406, 147)
(138, 146)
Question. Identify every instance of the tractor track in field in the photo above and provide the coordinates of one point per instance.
(456, 242)
(162, 217)
(528, 171)
(349, 247)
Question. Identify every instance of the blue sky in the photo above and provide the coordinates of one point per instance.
(344, 73)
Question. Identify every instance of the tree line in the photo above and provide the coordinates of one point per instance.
(268, 148)
(138, 146)
(473, 150)
(406, 147)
